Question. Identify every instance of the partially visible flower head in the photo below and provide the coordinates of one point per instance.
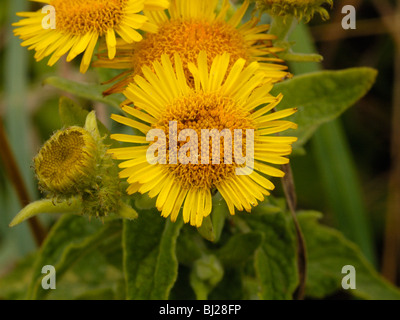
(74, 164)
(301, 9)
(80, 23)
(192, 26)
(227, 100)
(66, 161)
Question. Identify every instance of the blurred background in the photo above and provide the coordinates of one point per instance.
(351, 168)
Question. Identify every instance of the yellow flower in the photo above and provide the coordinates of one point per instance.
(301, 9)
(66, 161)
(78, 24)
(237, 100)
(191, 26)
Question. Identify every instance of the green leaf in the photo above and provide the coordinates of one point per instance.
(98, 294)
(275, 261)
(322, 97)
(218, 215)
(46, 119)
(212, 226)
(72, 206)
(336, 165)
(143, 201)
(190, 246)
(70, 239)
(14, 284)
(328, 252)
(111, 250)
(239, 248)
(207, 230)
(230, 287)
(72, 114)
(336, 168)
(206, 273)
(83, 90)
(88, 275)
(150, 262)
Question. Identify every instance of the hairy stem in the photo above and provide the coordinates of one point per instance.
(290, 193)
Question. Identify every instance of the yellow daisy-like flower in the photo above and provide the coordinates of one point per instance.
(78, 24)
(301, 9)
(191, 26)
(228, 100)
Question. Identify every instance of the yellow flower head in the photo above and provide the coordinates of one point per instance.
(78, 24)
(66, 161)
(301, 9)
(231, 100)
(191, 26)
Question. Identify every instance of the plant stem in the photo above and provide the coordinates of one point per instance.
(291, 197)
(12, 169)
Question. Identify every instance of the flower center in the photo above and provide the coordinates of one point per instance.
(188, 39)
(200, 112)
(79, 17)
(65, 159)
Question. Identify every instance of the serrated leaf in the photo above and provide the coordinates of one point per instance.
(150, 262)
(322, 97)
(328, 252)
(83, 90)
(239, 248)
(70, 239)
(275, 261)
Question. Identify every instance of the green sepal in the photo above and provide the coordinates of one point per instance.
(127, 212)
(71, 206)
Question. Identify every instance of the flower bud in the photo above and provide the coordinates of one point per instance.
(301, 9)
(66, 162)
(74, 164)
